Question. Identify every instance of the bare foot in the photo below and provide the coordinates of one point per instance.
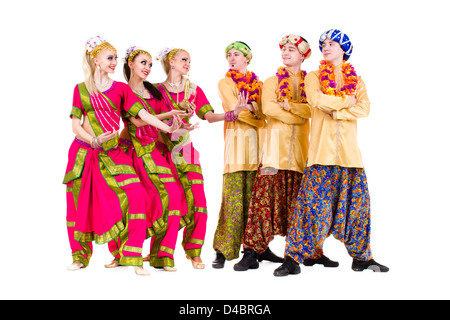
(112, 264)
(170, 269)
(77, 265)
(140, 271)
(197, 262)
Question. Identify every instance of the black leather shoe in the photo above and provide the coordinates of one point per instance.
(289, 266)
(323, 260)
(219, 262)
(370, 265)
(249, 261)
(269, 256)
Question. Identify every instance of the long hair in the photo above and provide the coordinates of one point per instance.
(165, 63)
(89, 70)
(151, 88)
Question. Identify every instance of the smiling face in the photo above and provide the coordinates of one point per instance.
(141, 66)
(236, 60)
(106, 60)
(291, 56)
(181, 62)
(332, 51)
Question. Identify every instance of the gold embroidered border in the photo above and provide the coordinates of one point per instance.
(79, 255)
(195, 181)
(193, 252)
(196, 241)
(128, 181)
(76, 187)
(76, 112)
(77, 166)
(137, 216)
(168, 179)
(203, 110)
(100, 239)
(200, 209)
(161, 262)
(115, 169)
(138, 147)
(132, 249)
(174, 213)
(167, 250)
(135, 108)
(152, 167)
(131, 261)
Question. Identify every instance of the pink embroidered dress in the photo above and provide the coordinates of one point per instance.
(104, 194)
(188, 170)
(165, 195)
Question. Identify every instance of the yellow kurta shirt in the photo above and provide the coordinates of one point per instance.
(242, 141)
(287, 141)
(333, 137)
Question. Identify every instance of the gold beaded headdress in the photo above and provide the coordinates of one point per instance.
(96, 44)
(170, 53)
(173, 52)
(132, 52)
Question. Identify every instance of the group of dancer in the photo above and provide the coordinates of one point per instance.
(292, 166)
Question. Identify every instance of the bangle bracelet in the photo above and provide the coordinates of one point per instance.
(229, 116)
(95, 143)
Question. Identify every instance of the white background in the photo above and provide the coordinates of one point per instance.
(400, 49)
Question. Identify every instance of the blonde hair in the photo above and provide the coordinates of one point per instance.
(165, 59)
(89, 65)
(89, 70)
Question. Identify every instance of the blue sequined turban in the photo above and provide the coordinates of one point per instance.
(338, 36)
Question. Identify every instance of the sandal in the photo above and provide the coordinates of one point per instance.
(196, 264)
(112, 264)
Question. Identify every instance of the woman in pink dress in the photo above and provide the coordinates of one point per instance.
(146, 146)
(185, 158)
(105, 200)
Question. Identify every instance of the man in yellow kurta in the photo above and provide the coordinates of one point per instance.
(334, 197)
(241, 155)
(284, 155)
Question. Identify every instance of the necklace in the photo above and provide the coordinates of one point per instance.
(328, 79)
(100, 86)
(139, 92)
(248, 83)
(174, 85)
(284, 87)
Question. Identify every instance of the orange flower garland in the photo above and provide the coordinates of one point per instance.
(248, 83)
(328, 79)
(285, 89)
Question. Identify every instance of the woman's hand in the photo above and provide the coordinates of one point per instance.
(180, 113)
(98, 141)
(191, 109)
(102, 138)
(188, 126)
(176, 123)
